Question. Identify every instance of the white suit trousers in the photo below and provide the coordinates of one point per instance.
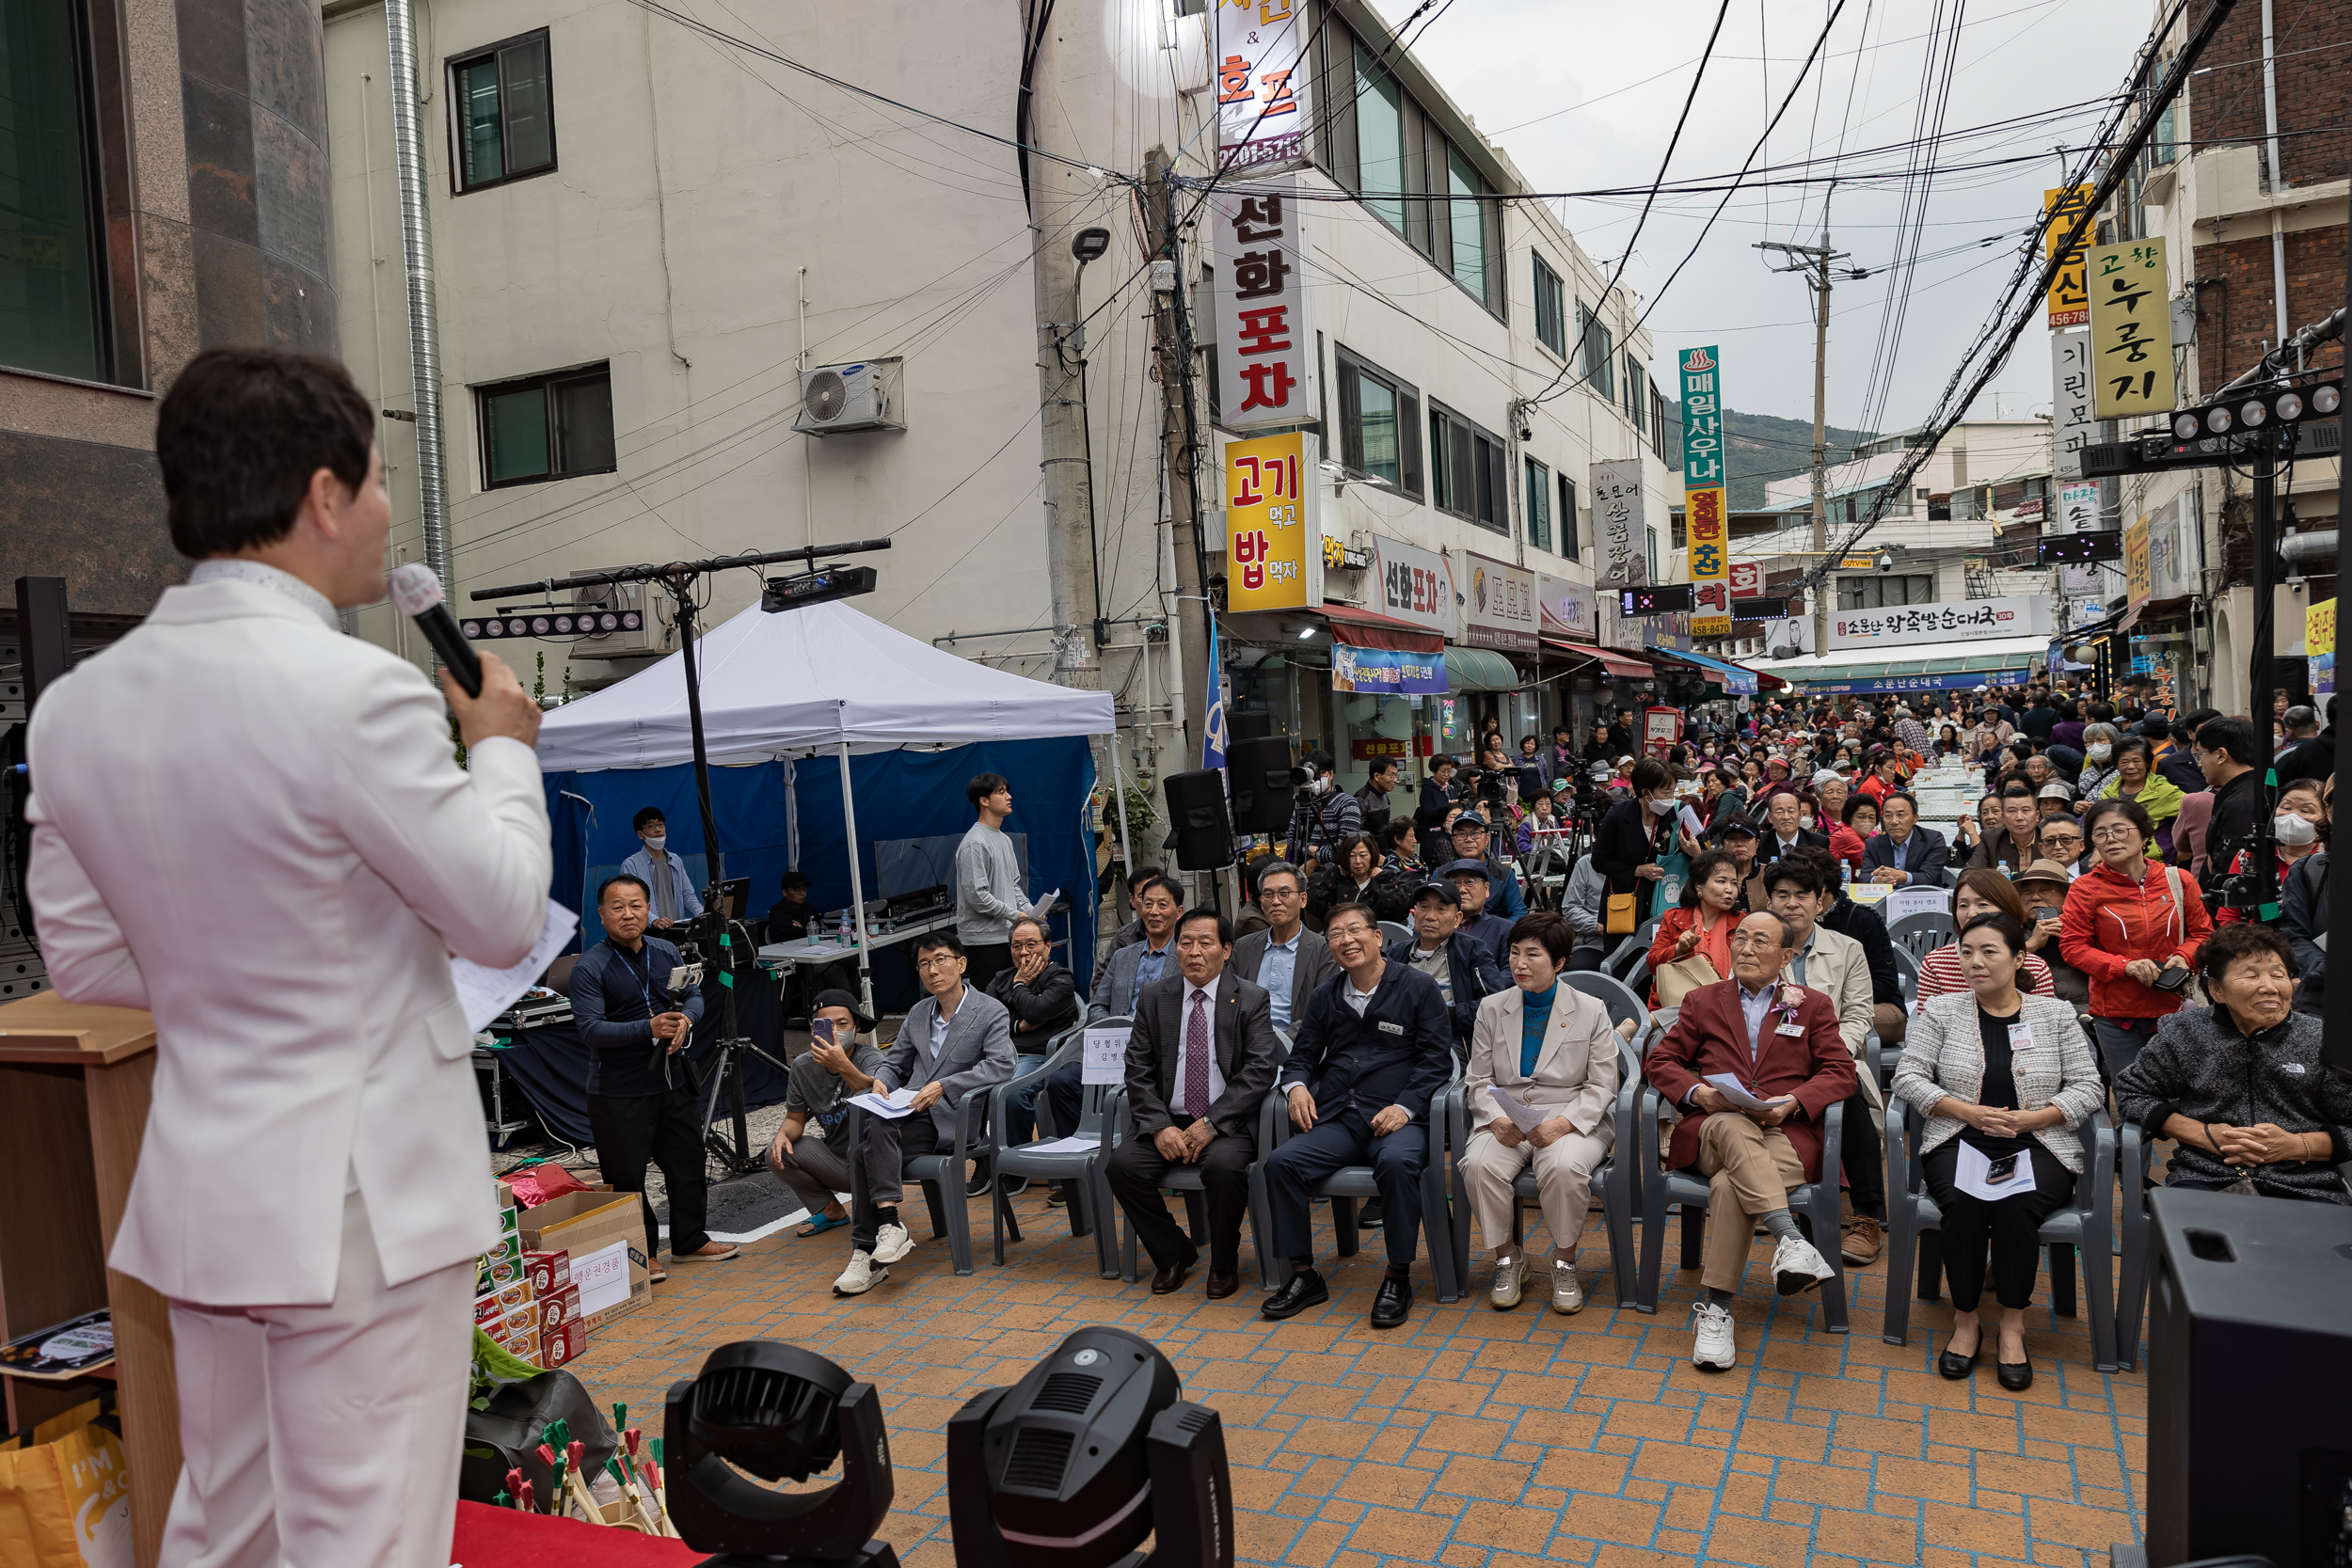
(323, 1436)
(1564, 1183)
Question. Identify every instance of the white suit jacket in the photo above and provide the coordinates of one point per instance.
(255, 828)
(1576, 1068)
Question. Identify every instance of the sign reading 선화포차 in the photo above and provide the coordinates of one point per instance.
(1969, 621)
(1265, 339)
(1415, 585)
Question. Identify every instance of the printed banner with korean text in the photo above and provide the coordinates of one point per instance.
(1386, 672)
(1620, 534)
(1705, 518)
(2131, 330)
(1274, 541)
(1969, 621)
(1265, 339)
(1262, 72)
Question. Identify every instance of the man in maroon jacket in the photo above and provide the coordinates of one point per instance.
(1778, 1043)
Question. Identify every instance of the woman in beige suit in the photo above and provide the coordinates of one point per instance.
(1551, 1049)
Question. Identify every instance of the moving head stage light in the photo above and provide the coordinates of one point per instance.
(1091, 1452)
(781, 1414)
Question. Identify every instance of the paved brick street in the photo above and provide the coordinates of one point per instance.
(1473, 1436)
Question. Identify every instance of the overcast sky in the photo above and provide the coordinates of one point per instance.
(1561, 88)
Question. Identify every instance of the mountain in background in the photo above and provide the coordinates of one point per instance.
(1763, 448)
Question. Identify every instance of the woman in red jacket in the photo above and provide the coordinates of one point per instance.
(2133, 928)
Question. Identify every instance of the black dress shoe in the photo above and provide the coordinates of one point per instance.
(1958, 1367)
(1172, 1279)
(1392, 1303)
(1304, 1288)
(2016, 1376)
(1223, 1285)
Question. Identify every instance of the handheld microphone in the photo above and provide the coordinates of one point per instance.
(417, 594)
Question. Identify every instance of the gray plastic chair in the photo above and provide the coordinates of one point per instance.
(941, 1176)
(1630, 958)
(1078, 1168)
(1352, 1184)
(1613, 1180)
(1622, 1001)
(1814, 1204)
(1390, 930)
(2085, 1226)
(1119, 1116)
(1921, 933)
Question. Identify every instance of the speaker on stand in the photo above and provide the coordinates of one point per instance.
(1261, 770)
(1205, 833)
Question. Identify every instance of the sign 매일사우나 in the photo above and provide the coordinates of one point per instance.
(1263, 113)
(1620, 532)
(1273, 542)
(2069, 305)
(1266, 339)
(1706, 523)
(2131, 330)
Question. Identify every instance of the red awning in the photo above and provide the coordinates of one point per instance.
(1612, 660)
(1365, 628)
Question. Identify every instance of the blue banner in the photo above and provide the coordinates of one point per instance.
(1387, 672)
(1213, 721)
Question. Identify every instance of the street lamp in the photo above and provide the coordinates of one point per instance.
(1089, 245)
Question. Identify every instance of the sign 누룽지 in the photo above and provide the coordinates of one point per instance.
(2131, 330)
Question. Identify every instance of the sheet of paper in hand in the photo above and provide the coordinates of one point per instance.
(485, 994)
(890, 1107)
(1523, 1116)
(1740, 1095)
(1106, 1055)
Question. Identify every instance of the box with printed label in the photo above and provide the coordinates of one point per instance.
(559, 1345)
(550, 1270)
(511, 1323)
(604, 1233)
(558, 1307)
(503, 1298)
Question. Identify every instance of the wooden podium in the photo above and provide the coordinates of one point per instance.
(74, 1082)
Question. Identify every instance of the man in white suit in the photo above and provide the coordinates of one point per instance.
(314, 1186)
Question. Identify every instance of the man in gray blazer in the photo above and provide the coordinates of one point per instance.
(955, 1041)
(1139, 963)
(1200, 1062)
(1286, 958)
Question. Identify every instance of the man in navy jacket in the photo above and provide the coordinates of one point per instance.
(1448, 951)
(1372, 1052)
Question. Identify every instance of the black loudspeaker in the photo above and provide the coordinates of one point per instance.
(1255, 724)
(1261, 770)
(1204, 835)
(2249, 1379)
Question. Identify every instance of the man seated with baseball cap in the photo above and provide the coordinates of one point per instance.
(810, 1152)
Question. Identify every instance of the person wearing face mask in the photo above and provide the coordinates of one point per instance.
(2098, 758)
(2303, 815)
(1638, 832)
(658, 867)
(1321, 813)
(2303, 917)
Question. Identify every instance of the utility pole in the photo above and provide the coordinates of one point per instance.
(1816, 259)
(1056, 258)
(1171, 338)
(416, 245)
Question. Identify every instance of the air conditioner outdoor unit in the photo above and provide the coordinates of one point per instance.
(835, 398)
(641, 623)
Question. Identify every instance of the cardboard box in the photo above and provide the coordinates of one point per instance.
(549, 1272)
(511, 1323)
(560, 1307)
(500, 1298)
(559, 1345)
(587, 1224)
(510, 1219)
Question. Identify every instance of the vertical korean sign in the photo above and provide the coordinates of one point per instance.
(2069, 305)
(1706, 520)
(1273, 543)
(2072, 423)
(1619, 531)
(2131, 330)
(1265, 343)
(1262, 71)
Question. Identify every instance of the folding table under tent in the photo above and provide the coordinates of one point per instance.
(787, 697)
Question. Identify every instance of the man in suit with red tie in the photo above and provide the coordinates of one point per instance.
(1200, 1062)
(1779, 1042)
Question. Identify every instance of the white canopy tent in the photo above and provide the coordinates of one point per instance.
(825, 678)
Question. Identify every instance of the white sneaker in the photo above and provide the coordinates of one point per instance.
(860, 1276)
(892, 1244)
(1508, 1275)
(1568, 1294)
(1712, 1348)
(1797, 1265)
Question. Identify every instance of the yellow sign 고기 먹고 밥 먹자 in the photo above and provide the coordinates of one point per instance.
(2131, 330)
(1270, 531)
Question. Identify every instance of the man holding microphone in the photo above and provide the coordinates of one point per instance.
(314, 1186)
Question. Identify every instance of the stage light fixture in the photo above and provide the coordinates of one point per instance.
(808, 587)
(2252, 414)
(777, 1413)
(1091, 1452)
(2290, 405)
(2219, 421)
(2326, 399)
(2184, 427)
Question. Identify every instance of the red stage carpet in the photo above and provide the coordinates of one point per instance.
(487, 1537)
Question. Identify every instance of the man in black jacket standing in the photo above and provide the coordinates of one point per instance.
(2228, 750)
(1371, 1054)
(1199, 1061)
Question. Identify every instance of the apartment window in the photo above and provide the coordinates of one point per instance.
(1886, 591)
(1467, 473)
(1599, 348)
(1379, 141)
(1636, 395)
(1571, 535)
(1379, 424)
(505, 119)
(1468, 216)
(52, 291)
(547, 427)
(1551, 326)
(1538, 505)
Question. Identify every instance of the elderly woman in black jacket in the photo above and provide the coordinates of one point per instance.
(1636, 833)
(2240, 1084)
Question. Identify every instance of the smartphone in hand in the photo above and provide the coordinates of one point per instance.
(820, 1031)
(2172, 979)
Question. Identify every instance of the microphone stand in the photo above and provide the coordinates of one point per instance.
(707, 932)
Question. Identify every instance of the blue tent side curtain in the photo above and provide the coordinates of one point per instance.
(900, 794)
